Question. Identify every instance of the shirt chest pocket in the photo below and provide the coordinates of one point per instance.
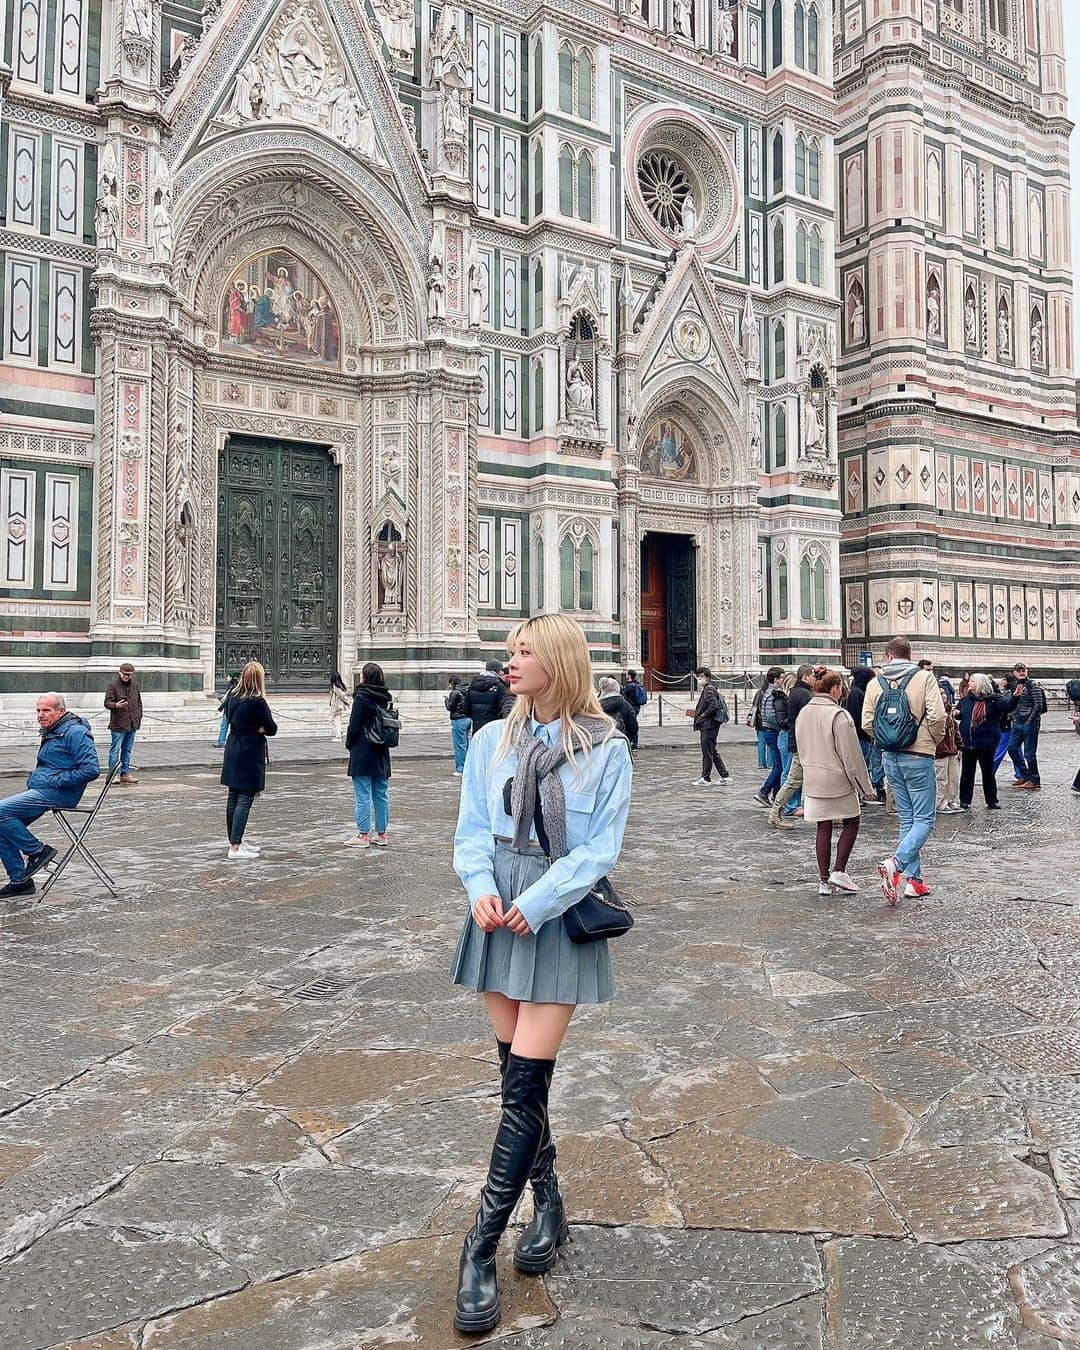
(580, 804)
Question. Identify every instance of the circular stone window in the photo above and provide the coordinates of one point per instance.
(676, 155)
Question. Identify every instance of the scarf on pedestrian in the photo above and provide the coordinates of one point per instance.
(535, 776)
(978, 713)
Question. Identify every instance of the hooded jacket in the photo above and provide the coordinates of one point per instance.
(129, 717)
(857, 697)
(365, 759)
(624, 714)
(487, 699)
(800, 696)
(926, 702)
(66, 761)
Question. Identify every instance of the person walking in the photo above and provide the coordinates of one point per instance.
(619, 709)
(709, 714)
(223, 709)
(769, 733)
(1028, 706)
(637, 696)
(340, 704)
(559, 758)
(243, 765)
(855, 700)
(753, 720)
(369, 758)
(66, 761)
(460, 722)
(834, 776)
(487, 698)
(982, 711)
(124, 702)
(911, 724)
(801, 693)
(947, 757)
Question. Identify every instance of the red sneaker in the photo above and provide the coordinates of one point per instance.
(890, 874)
(917, 889)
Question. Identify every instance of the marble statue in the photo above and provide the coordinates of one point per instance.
(814, 442)
(475, 270)
(933, 312)
(1004, 332)
(247, 95)
(137, 22)
(390, 575)
(725, 32)
(107, 219)
(689, 215)
(684, 21)
(401, 33)
(579, 394)
(455, 130)
(633, 9)
(1037, 337)
(163, 232)
(971, 321)
(436, 285)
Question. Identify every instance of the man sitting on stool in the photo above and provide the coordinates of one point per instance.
(66, 761)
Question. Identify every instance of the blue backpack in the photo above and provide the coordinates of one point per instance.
(895, 726)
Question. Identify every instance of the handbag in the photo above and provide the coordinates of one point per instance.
(602, 913)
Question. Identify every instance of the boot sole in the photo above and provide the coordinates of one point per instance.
(539, 1265)
(477, 1323)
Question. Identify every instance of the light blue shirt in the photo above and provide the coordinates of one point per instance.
(597, 805)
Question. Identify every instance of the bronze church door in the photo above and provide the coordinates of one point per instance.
(277, 561)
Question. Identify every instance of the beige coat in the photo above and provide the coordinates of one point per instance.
(834, 771)
(927, 705)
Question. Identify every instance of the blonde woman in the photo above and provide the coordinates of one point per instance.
(243, 769)
(558, 751)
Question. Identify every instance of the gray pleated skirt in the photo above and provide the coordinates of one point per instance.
(545, 967)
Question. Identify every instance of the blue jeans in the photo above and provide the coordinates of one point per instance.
(366, 789)
(786, 756)
(762, 750)
(874, 766)
(914, 788)
(772, 751)
(1023, 745)
(15, 839)
(459, 733)
(122, 741)
(223, 731)
(1002, 748)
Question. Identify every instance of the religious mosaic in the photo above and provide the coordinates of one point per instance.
(668, 452)
(275, 305)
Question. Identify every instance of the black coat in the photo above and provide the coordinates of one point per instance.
(800, 696)
(365, 759)
(487, 699)
(455, 704)
(623, 713)
(243, 765)
(987, 734)
(857, 697)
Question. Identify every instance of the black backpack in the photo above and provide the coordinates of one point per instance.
(384, 729)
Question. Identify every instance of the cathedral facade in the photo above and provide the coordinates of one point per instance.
(960, 471)
(352, 331)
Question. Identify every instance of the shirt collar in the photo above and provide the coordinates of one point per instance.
(548, 732)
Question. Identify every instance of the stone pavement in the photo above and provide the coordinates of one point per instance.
(241, 1107)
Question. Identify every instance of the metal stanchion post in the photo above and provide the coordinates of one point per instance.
(660, 709)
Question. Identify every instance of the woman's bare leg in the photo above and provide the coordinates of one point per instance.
(540, 1029)
(503, 1012)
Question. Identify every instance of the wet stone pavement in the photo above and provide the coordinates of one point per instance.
(241, 1106)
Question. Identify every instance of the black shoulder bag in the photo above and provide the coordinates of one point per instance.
(602, 913)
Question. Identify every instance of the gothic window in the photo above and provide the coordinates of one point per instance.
(538, 179)
(538, 571)
(585, 574)
(778, 251)
(800, 34)
(1003, 214)
(812, 40)
(566, 78)
(566, 181)
(538, 295)
(778, 162)
(782, 589)
(800, 163)
(971, 201)
(777, 21)
(812, 580)
(538, 76)
(538, 395)
(585, 86)
(585, 187)
(577, 568)
(1036, 242)
(779, 354)
(813, 163)
(815, 256)
(999, 16)
(780, 438)
(566, 573)
(800, 252)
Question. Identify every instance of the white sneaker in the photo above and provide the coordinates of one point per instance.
(249, 850)
(457, 773)
(728, 781)
(842, 882)
(358, 841)
(238, 856)
(702, 782)
(823, 888)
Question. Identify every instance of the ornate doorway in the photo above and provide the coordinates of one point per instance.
(277, 561)
(668, 606)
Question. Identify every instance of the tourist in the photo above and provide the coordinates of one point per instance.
(855, 700)
(557, 756)
(124, 702)
(487, 698)
(834, 774)
(243, 766)
(801, 693)
(1005, 686)
(709, 714)
(770, 732)
(340, 704)
(947, 757)
(753, 720)
(223, 709)
(982, 711)
(911, 724)
(369, 758)
(618, 708)
(66, 761)
(460, 722)
(1028, 705)
(637, 696)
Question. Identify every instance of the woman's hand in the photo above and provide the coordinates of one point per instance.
(487, 913)
(516, 922)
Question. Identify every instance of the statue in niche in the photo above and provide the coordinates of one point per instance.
(1004, 331)
(684, 21)
(137, 23)
(1037, 338)
(633, 10)
(476, 283)
(391, 568)
(579, 394)
(813, 439)
(107, 216)
(454, 130)
(971, 321)
(755, 447)
(933, 312)
(248, 93)
(163, 232)
(689, 215)
(751, 337)
(436, 285)
(401, 33)
(725, 32)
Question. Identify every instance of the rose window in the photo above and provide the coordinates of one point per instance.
(664, 184)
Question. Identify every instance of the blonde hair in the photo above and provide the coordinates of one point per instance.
(558, 643)
(252, 682)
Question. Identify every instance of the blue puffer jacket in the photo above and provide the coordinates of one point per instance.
(66, 761)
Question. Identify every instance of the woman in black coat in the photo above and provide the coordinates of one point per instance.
(369, 764)
(982, 713)
(243, 769)
(618, 708)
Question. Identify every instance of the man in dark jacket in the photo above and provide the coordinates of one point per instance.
(487, 698)
(66, 762)
(708, 719)
(634, 693)
(768, 715)
(801, 695)
(871, 753)
(124, 702)
(1028, 705)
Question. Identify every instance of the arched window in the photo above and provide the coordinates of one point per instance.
(538, 572)
(778, 33)
(538, 76)
(781, 589)
(566, 78)
(813, 185)
(999, 16)
(538, 395)
(585, 188)
(585, 574)
(538, 294)
(538, 179)
(815, 256)
(566, 573)
(566, 181)
(779, 353)
(585, 86)
(778, 251)
(780, 438)
(800, 163)
(778, 162)
(812, 583)
(800, 252)
(806, 589)
(812, 40)
(819, 590)
(800, 34)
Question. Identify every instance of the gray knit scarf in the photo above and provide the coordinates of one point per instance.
(536, 765)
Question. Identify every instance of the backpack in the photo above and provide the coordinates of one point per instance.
(637, 693)
(1041, 707)
(722, 714)
(1072, 690)
(385, 727)
(895, 725)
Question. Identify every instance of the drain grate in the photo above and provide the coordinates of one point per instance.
(326, 986)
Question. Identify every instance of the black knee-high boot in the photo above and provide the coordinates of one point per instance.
(524, 1110)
